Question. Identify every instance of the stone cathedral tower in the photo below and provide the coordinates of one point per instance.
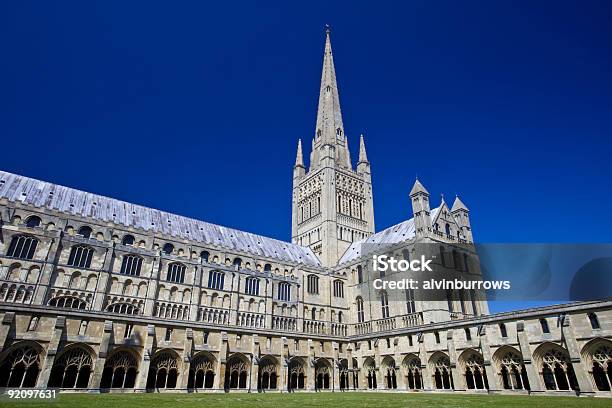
(332, 203)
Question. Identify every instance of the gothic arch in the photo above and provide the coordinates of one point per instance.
(20, 365)
(267, 378)
(597, 357)
(202, 371)
(441, 373)
(471, 364)
(510, 368)
(163, 370)
(369, 371)
(297, 374)
(388, 372)
(120, 369)
(73, 367)
(323, 374)
(413, 375)
(554, 366)
(237, 371)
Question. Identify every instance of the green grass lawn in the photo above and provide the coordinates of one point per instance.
(339, 400)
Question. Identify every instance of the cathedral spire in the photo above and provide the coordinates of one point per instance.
(330, 140)
(299, 158)
(329, 116)
(363, 156)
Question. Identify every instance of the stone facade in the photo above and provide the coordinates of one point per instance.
(99, 294)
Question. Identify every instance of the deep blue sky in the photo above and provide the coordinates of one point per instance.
(196, 108)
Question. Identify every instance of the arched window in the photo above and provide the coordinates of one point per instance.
(313, 284)
(594, 321)
(384, 303)
(168, 248)
(359, 274)
(85, 232)
(131, 265)
(237, 262)
(338, 288)
(72, 369)
(20, 368)
(120, 371)
(176, 272)
(544, 324)
(267, 267)
(163, 371)
(33, 222)
(80, 256)
(339, 317)
(447, 229)
(502, 330)
(22, 247)
(128, 240)
(204, 255)
(70, 302)
(216, 279)
(313, 313)
(360, 313)
(410, 305)
(123, 308)
(252, 286)
(284, 291)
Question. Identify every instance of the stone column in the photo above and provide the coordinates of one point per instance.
(145, 362)
(45, 372)
(458, 378)
(351, 368)
(399, 375)
(381, 381)
(284, 369)
(96, 377)
(489, 369)
(582, 375)
(219, 382)
(310, 368)
(535, 384)
(183, 379)
(425, 371)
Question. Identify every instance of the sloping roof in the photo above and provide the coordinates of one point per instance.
(403, 231)
(54, 197)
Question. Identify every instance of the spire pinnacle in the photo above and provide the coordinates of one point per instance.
(299, 158)
(363, 156)
(418, 188)
(458, 205)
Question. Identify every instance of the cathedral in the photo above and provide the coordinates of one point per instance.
(102, 295)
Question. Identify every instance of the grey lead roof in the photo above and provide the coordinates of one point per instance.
(398, 233)
(54, 197)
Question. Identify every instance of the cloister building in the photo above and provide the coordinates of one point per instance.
(100, 294)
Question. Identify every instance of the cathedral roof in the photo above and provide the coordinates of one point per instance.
(54, 197)
(401, 232)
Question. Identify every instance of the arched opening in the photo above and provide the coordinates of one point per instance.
(201, 372)
(268, 374)
(511, 369)
(297, 376)
(441, 372)
(120, 370)
(163, 370)
(555, 367)
(370, 372)
(236, 372)
(323, 374)
(20, 366)
(72, 369)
